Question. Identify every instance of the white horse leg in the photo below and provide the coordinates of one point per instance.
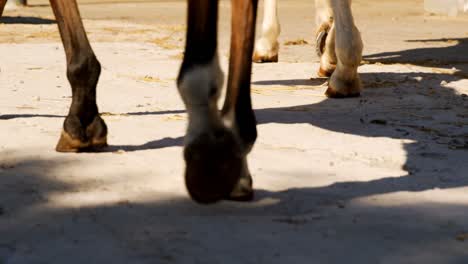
(345, 81)
(325, 47)
(267, 46)
(217, 142)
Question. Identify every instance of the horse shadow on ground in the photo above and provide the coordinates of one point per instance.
(432, 117)
(151, 145)
(416, 106)
(410, 105)
(454, 54)
(26, 20)
(44, 220)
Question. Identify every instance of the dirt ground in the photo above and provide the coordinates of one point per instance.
(378, 179)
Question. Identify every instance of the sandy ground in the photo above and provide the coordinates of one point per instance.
(378, 179)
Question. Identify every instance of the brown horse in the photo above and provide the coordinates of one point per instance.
(217, 142)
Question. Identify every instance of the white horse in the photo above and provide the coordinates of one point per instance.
(339, 44)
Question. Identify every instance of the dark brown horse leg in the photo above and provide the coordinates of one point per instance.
(83, 128)
(237, 110)
(2, 6)
(212, 151)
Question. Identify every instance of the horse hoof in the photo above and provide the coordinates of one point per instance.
(265, 51)
(343, 85)
(69, 144)
(343, 89)
(214, 163)
(90, 139)
(264, 59)
(332, 93)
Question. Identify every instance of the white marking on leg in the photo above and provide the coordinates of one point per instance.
(200, 89)
(267, 45)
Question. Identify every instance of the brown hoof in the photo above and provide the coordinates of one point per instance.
(332, 93)
(264, 59)
(76, 138)
(68, 144)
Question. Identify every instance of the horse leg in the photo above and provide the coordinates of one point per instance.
(267, 46)
(214, 151)
(345, 81)
(83, 128)
(2, 6)
(211, 151)
(237, 110)
(325, 36)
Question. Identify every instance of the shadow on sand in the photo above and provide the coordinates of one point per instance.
(26, 20)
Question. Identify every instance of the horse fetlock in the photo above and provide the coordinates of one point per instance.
(326, 68)
(201, 84)
(84, 70)
(200, 87)
(328, 63)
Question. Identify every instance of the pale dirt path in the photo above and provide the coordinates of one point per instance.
(376, 179)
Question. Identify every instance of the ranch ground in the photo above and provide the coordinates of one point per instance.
(378, 179)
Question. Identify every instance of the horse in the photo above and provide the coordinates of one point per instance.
(217, 141)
